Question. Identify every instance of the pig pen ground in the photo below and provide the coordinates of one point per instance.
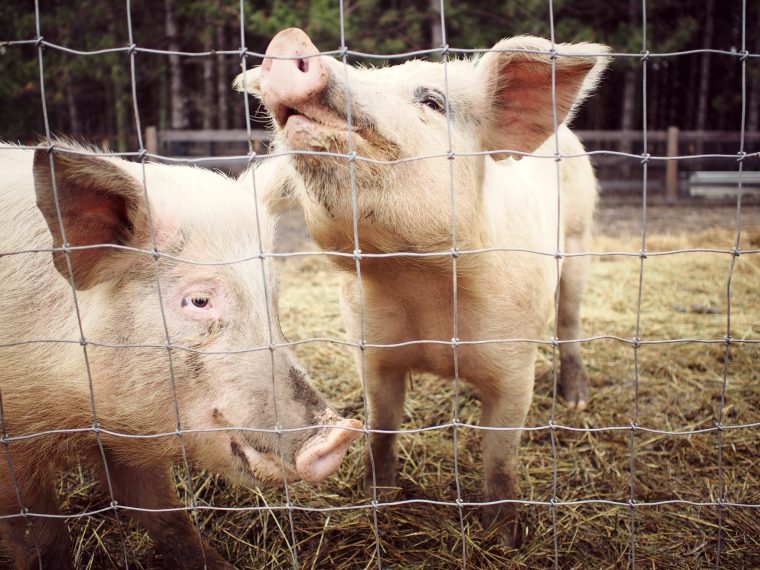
(684, 296)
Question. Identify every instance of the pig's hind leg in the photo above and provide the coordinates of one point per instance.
(34, 541)
(176, 538)
(573, 379)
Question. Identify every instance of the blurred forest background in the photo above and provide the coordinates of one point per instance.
(90, 96)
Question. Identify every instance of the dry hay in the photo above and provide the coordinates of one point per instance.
(683, 296)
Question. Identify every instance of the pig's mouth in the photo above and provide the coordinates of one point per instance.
(318, 127)
(314, 128)
(317, 459)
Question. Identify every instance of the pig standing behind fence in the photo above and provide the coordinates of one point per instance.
(207, 310)
(502, 101)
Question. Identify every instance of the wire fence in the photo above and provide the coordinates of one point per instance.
(246, 56)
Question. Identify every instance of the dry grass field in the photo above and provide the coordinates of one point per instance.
(679, 390)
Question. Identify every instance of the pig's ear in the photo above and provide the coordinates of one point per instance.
(518, 89)
(249, 81)
(99, 203)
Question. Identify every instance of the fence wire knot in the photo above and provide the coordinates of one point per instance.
(642, 253)
(552, 425)
(114, 504)
(632, 503)
(719, 426)
(743, 55)
(343, 52)
(740, 156)
(634, 426)
(644, 55)
(636, 342)
(445, 51)
(39, 42)
(645, 156)
(727, 340)
(557, 156)
(553, 52)
(132, 49)
(243, 51)
(735, 252)
(96, 427)
(82, 341)
(143, 154)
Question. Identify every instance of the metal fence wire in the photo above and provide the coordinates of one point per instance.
(633, 504)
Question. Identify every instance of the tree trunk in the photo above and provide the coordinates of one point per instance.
(629, 91)
(691, 115)
(703, 95)
(208, 83)
(436, 33)
(223, 78)
(122, 97)
(75, 122)
(179, 118)
(753, 84)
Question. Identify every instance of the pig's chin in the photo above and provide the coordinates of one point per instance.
(302, 133)
(253, 467)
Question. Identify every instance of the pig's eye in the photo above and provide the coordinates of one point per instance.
(431, 98)
(197, 301)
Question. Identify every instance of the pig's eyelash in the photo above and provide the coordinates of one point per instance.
(431, 98)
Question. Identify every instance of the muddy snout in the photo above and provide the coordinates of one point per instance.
(289, 84)
(321, 455)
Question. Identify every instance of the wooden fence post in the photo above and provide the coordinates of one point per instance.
(671, 168)
(151, 139)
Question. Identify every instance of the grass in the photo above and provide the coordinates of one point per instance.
(679, 389)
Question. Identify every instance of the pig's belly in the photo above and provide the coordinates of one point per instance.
(425, 325)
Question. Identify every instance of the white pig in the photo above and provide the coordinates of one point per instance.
(499, 102)
(208, 309)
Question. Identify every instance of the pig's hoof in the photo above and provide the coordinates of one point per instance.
(573, 383)
(502, 522)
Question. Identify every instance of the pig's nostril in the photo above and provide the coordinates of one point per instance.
(303, 65)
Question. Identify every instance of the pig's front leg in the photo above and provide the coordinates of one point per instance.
(45, 542)
(385, 395)
(506, 408)
(175, 535)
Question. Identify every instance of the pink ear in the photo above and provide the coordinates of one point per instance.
(518, 88)
(99, 203)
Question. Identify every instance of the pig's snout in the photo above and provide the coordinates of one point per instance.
(287, 84)
(321, 455)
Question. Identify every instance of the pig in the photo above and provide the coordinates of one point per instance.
(71, 219)
(498, 113)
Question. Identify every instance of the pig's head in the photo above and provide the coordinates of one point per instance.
(201, 332)
(501, 101)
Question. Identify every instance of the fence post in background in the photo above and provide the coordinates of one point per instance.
(671, 169)
(151, 139)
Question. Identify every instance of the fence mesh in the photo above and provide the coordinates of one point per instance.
(633, 428)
